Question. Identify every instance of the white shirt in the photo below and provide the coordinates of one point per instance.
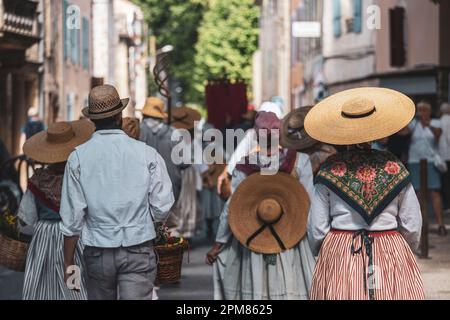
(113, 189)
(444, 141)
(423, 142)
(330, 211)
(304, 172)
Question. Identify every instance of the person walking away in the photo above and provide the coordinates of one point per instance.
(115, 188)
(33, 125)
(39, 208)
(425, 136)
(261, 251)
(158, 135)
(444, 151)
(365, 217)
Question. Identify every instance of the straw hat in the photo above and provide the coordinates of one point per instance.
(264, 208)
(293, 133)
(57, 143)
(359, 115)
(104, 102)
(184, 118)
(154, 107)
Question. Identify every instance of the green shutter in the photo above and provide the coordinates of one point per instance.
(337, 18)
(86, 41)
(66, 33)
(357, 16)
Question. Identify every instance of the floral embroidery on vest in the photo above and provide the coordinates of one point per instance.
(367, 180)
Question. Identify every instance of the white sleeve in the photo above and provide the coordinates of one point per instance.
(224, 231)
(436, 123)
(27, 209)
(410, 217)
(319, 222)
(73, 203)
(243, 149)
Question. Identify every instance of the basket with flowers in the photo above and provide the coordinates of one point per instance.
(170, 252)
(13, 245)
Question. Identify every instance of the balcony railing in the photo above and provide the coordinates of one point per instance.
(18, 21)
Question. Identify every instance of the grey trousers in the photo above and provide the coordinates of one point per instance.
(120, 273)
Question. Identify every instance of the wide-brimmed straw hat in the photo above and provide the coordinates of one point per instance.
(268, 214)
(154, 107)
(104, 102)
(359, 115)
(57, 143)
(185, 118)
(293, 133)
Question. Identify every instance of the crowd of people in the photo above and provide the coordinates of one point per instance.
(337, 217)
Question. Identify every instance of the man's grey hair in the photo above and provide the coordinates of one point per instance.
(445, 108)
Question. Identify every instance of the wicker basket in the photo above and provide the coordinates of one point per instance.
(13, 253)
(170, 260)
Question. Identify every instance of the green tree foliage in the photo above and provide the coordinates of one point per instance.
(228, 37)
(175, 22)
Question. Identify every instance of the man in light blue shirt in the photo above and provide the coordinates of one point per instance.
(114, 189)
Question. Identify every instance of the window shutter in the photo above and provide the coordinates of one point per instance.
(86, 44)
(66, 33)
(337, 18)
(357, 16)
(397, 35)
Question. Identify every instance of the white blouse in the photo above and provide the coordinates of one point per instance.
(328, 211)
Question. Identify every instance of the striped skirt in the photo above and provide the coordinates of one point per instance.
(44, 271)
(366, 266)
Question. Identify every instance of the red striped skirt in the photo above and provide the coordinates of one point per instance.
(373, 265)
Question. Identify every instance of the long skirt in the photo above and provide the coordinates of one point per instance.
(185, 217)
(240, 274)
(374, 266)
(44, 271)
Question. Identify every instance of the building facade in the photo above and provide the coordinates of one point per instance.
(120, 49)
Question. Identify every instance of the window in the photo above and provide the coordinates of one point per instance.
(86, 42)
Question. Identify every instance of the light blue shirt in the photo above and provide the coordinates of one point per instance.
(114, 188)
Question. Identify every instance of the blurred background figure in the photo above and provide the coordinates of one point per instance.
(33, 125)
(131, 127)
(425, 134)
(444, 151)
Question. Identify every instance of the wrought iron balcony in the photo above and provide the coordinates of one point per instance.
(18, 24)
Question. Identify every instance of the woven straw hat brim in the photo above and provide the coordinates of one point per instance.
(296, 144)
(291, 196)
(326, 123)
(188, 121)
(105, 115)
(150, 112)
(43, 151)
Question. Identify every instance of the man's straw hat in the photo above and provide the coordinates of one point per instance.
(154, 107)
(184, 118)
(104, 102)
(359, 115)
(268, 214)
(57, 143)
(293, 133)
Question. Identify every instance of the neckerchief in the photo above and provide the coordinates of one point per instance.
(287, 160)
(367, 180)
(46, 185)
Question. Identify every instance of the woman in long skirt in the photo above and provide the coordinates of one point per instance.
(365, 218)
(272, 258)
(39, 208)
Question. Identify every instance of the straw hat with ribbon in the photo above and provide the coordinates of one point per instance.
(293, 133)
(268, 214)
(104, 102)
(154, 107)
(359, 116)
(184, 118)
(58, 142)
